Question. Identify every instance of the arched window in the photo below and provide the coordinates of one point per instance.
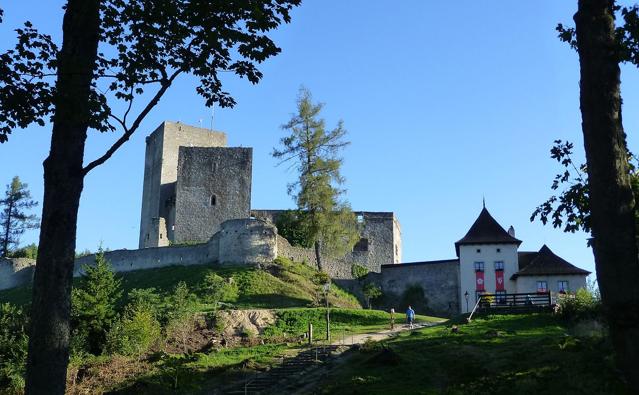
(213, 200)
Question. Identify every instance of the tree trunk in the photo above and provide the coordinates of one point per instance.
(611, 199)
(63, 181)
(7, 230)
(318, 255)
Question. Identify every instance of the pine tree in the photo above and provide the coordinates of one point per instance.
(94, 303)
(327, 221)
(13, 216)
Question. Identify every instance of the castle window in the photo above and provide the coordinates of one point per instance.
(213, 200)
(360, 218)
(478, 250)
(361, 245)
(160, 235)
(542, 286)
(562, 286)
(499, 265)
(479, 266)
(499, 250)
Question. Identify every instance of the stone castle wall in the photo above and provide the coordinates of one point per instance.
(160, 177)
(438, 279)
(240, 241)
(213, 185)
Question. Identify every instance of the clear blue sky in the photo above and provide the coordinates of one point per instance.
(444, 102)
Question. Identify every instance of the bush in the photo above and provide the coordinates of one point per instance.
(371, 292)
(358, 271)
(29, 251)
(147, 299)
(290, 226)
(13, 348)
(580, 306)
(216, 289)
(135, 332)
(93, 304)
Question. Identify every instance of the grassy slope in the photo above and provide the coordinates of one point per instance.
(523, 354)
(285, 285)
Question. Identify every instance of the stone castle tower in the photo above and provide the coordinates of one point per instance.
(192, 183)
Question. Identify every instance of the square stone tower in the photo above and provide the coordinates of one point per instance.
(157, 221)
(213, 186)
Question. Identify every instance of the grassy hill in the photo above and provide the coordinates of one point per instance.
(512, 354)
(284, 284)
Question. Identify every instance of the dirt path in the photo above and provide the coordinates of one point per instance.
(348, 340)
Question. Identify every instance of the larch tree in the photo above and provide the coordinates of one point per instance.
(604, 203)
(115, 54)
(326, 219)
(14, 216)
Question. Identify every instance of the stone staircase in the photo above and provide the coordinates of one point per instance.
(279, 377)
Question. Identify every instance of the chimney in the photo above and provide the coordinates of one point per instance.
(511, 231)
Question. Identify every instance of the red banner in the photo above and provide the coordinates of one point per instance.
(499, 280)
(479, 281)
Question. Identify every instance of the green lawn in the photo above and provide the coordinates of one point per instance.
(512, 354)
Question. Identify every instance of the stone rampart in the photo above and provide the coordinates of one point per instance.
(15, 272)
(439, 281)
(243, 241)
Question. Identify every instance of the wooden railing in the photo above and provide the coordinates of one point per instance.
(517, 300)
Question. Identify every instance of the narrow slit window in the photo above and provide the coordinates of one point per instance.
(213, 200)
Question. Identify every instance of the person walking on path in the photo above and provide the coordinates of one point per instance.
(410, 317)
(392, 318)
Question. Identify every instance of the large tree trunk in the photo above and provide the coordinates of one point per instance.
(63, 181)
(611, 199)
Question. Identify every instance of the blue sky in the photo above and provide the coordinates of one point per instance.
(444, 102)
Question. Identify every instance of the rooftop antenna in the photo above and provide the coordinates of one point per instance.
(483, 201)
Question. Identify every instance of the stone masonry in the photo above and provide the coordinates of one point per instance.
(213, 185)
(160, 177)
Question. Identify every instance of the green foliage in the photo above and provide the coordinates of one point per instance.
(321, 278)
(582, 305)
(371, 292)
(135, 332)
(571, 207)
(215, 289)
(29, 251)
(358, 271)
(13, 348)
(14, 219)
(94, 303)
(180, 303)
(146, 299)
(291, 225)
(327, 220)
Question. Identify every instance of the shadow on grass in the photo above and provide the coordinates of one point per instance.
(271, 301)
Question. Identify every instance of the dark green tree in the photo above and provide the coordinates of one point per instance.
(145, 46)
(13, 348)
(14, 217)
(371, 291)
(94, 303)
(326, 219)
(611, 217)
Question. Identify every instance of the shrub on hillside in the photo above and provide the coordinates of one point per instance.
(582, 305)
(146, 298)
(215, 289)
(13, 348)
(358, 271)
(93, 304)
(135, 332)
(371, 292)
(29, 251)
